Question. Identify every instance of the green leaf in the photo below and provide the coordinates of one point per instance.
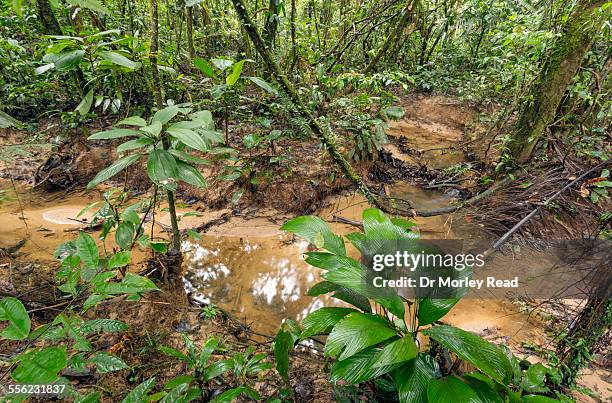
(283, 343)
(183, 156)
(44, 68)
(118, 59)
(134, 144)
(323, 320)
(68, 60)
(483, 355)
(87, 250)
(131, 283)
(165, 115)
(222, 64)
(412, 378)
(430, 310)
(85, 104)
(161, 166)
(232, 78)
(133, 121)
(103, 326)
(534, 379)
(113, 134)
(538, 399)
(138, 395)
(41, 367)
(124, 235)
(93, 5)
(173, 353)
(206, 351)
(483, 389)
(204, 66)
(190, 174)
(107, 363)
(18, 328)
(119, 259)
(217, 368)
(7, 121)
(312, 228)
(404, 349)
(231, 394)
(394, 112)
(154, 129)
(356, 332)
(377, 226)
(359, 368)
(264, 85)
(114, 169)
(179, 380)
(451, 390)
(189, 138)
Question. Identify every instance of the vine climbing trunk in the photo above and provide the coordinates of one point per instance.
(322, 132)
(557, 72)
(157, 92)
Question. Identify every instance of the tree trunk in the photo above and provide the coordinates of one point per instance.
(557, 72)
(391, 39)
(320, 130)
(47, 18)
(159, 103)
(271, 24)
(189, 18)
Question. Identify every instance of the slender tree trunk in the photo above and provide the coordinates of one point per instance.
(557, 72)
(294, 50)
(405, 19)
(47, 18)
(271, 24)
(320, 130)
(189, 18)
(157, 92)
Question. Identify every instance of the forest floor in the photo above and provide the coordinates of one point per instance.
(242, 262)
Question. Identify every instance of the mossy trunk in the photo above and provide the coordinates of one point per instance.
(189, 19)
(322, 131)
(47, 18)
(557, 72)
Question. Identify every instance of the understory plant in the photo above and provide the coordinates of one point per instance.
(168, 147)
(384, 339)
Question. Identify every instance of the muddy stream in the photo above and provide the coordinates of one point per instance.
(252, 269)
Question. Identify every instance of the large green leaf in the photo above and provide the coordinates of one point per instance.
(131, 283)
(133, 121)
(153, 130)
(165, 115)
(113, 169)
(87, 250)
(138, 395)
(18, 328)
(402, 350)
(485, 356)
(103, 326)
(356, 332)
(484, 391)
(206, 351)
(412, 378)
(161, 166)
(134, 144)
(113, 134)
(118, 59)
(230, 395)
(377, 226)
(7, 120)
(190, 174)
(125, 235)
(203, 65)
(85, 105)
(323, 320)
(283, 343)
(342, 293)
(360, 367)
(107, 363)
(451, 390)
(430, 310)
(41, 367)
(189, 138)
(264, 85)
(317, 232)
(67, 60)
(232, 78)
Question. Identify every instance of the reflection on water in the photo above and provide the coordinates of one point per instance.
(262, 279)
